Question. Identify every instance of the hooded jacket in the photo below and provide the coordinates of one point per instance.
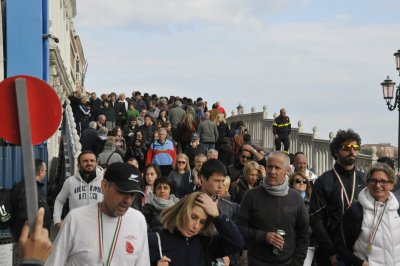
(79, 193)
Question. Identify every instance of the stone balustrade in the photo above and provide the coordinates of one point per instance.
(72, 146)
(317, 150)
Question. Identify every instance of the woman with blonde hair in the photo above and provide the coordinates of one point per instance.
(195, 233)
(222, 127)
(181, 176)
(253, 173)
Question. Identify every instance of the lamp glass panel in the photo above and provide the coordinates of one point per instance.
(388, 90)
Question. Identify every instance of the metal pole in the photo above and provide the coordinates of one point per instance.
(398, 140)
(27, 151)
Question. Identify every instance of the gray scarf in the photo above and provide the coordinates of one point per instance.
(279, 190)
(161, 204)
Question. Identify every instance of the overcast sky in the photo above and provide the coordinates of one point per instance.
(321, 60)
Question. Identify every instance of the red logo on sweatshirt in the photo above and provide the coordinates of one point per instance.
(129, 247)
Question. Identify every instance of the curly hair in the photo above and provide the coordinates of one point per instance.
(341, 137)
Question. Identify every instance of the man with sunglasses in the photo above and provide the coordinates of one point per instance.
(333, 193)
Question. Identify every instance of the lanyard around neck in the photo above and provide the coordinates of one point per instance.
(101, 242)
(375, 226)
(349, 201)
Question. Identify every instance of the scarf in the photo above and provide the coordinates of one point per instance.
(279, 190)
(161, 204)
(303, 194)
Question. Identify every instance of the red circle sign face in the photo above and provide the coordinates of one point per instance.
(43, 105)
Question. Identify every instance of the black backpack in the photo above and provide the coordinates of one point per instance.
(6, 211)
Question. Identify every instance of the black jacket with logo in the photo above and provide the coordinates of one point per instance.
(282, 126)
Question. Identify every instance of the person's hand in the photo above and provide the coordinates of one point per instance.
(164, 261)
(365, 263)
(196, 180)
(262, 171)
(208, 205)
(247, 147)
(58, 226)
(333, 260)
(275, 240)
(38, 246)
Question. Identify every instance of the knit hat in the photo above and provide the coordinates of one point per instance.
(194, 136)
(125, 176)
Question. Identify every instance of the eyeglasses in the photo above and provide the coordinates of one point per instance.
(348, 147)
(246, 157)
(374, 182)
(301, 181)
(181, 162)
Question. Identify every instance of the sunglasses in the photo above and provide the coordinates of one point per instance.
(374, 182)
(301, 181)
(245, 157)
(181, 162)
(348, 147)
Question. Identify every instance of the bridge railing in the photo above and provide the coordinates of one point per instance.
(316, 150)
(70, 137)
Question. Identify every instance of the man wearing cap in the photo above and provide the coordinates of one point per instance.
(108, 233)
(194, 148)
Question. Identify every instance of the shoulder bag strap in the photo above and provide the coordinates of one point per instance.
(159, 244)
(109, 157)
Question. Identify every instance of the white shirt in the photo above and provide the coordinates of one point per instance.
(77, 243)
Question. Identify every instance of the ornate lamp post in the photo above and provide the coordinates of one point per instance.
(388, 87)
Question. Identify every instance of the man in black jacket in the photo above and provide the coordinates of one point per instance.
(281, 129)
(212, 175)
(88, 137)
(269, 209)
(333, 193)
(18, 201)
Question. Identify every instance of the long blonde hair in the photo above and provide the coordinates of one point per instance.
(220, 118)
(178, 215)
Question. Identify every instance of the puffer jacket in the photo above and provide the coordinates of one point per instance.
(386, 244)
(351, 240)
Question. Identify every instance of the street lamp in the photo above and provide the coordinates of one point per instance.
(388, 87)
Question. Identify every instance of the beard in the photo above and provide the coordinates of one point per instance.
(88, 176)
(347, 161)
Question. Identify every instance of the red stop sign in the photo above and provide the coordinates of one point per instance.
(44, 110)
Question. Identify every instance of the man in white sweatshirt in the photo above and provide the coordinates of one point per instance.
(81, 189)
(108, 233)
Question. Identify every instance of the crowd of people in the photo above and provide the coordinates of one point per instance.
(166, 181)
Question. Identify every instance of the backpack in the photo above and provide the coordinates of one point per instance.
(6, 211)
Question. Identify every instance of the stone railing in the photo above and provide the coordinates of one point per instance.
(316, 150)
(70, 137)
